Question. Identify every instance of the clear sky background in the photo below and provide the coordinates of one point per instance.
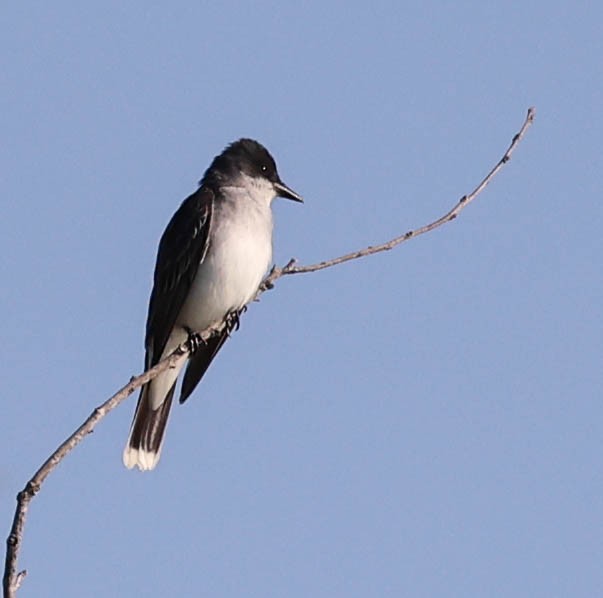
(426, 422)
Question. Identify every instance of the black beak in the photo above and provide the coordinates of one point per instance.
(283, 191)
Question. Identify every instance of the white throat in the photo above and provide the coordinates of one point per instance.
(259, 190)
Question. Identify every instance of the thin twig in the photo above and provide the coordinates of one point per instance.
(291, 268)
(13, 579)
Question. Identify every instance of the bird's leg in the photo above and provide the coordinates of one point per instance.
(233, 320)
(195, 340)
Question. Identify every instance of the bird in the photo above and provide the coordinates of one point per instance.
(211, 260)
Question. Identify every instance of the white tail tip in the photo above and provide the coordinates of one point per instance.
(138, 457)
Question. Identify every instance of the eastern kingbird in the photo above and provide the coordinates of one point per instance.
(211, 260)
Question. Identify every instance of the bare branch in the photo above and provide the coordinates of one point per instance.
(13, 579)
(291, 268)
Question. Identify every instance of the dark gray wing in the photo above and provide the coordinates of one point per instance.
(201, 359)
(181, 249)
(199, 362)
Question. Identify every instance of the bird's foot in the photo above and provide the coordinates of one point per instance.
(195, 340)
(233, 320)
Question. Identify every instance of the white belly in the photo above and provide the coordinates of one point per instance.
(236, 261)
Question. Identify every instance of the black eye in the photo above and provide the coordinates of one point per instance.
(264, 168)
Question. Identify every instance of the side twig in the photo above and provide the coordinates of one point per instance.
(13, 579)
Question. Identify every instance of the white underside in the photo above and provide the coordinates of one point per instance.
(239, 254)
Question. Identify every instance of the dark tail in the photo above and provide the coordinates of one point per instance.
(143, 448)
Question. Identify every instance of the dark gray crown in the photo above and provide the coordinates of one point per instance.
(246, 156)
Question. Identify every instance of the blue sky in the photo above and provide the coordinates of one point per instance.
(425, 422)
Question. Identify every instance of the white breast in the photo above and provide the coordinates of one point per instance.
(239, 254)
